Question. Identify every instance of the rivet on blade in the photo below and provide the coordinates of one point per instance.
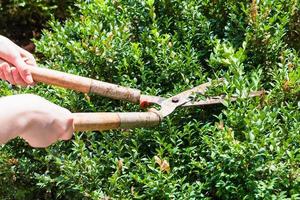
(175, 100)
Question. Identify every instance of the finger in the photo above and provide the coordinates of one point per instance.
(21, 66)
(17, 78)
(29, 61)
(24, 71)
(25, 54)
(7, 73)
(1, 72)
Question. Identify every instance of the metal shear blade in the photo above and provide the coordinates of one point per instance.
(168, 105)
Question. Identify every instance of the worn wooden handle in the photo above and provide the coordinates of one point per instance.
(107, 121)
(84, 84)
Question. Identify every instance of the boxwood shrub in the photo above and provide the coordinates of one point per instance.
(248, 149)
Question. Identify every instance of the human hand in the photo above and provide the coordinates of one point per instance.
(21, 59)
(34, 119)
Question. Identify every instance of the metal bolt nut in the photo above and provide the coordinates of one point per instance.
(175, 100)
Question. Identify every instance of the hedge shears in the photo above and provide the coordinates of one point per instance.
(99, 121)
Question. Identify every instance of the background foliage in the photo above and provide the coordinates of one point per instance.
(22, 19)
(249, 149)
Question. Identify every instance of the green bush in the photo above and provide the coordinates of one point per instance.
(249, 149)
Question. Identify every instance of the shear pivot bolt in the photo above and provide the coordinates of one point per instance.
(175, 100)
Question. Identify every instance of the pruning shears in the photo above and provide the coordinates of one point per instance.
(124, 120)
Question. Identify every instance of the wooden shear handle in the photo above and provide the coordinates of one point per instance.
(84, 84)
(109, 120)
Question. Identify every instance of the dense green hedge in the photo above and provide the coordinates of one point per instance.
(249, 149)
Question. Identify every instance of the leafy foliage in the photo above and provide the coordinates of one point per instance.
(248, 149)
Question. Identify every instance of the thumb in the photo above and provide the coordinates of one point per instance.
(69, 129)
(23, 69)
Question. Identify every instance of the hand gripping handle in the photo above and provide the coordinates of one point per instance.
(107, 121)
(84, 84)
